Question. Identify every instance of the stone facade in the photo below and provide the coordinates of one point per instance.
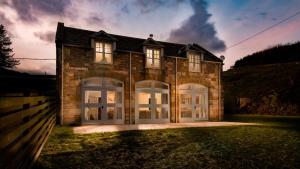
(75, 63)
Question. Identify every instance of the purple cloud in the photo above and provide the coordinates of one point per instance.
(125, 9)
(45, 36)
(263, 14)
(28, 10)
(95, 20)
(147, 6)
(197, 29)
(5, 21)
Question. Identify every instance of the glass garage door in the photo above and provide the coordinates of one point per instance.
(193, 103)
(102, 101)
(152, 102)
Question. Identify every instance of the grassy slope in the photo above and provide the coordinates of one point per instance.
(257, 81)
(266, 146)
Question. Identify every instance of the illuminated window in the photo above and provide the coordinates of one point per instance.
(194, 62)
(103, 53)
(152, 58)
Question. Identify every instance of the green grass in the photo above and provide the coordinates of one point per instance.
(275, 144)
(267, 120)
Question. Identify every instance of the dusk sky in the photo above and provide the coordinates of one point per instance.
(213, 24)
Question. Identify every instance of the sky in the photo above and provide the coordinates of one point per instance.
(214, 24)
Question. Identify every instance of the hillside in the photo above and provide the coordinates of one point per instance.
(13, 82)
(278, 54)
(263, 89)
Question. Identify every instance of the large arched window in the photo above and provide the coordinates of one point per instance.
(193, 102)
(152, 102)
(102, 101)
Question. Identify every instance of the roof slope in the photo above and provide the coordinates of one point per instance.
(81, 38)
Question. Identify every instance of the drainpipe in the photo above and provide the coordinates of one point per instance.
(62, 87)
(219, 84)
(176, 90)
(130, 121)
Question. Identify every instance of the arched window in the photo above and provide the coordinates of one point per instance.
(152, 102)
(193, 102)
(102, 101)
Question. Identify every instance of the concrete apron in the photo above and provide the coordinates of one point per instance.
(125, 127)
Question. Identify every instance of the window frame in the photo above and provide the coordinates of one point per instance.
(194, 90)
(103, 43)
(103, 85)
(195, 60)
(155, 87)
(152, 65)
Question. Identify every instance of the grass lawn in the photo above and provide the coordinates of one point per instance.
(275, 144)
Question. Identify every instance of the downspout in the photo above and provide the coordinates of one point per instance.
(176, 91)
(219, 86)
(130, 121)
(62, 87)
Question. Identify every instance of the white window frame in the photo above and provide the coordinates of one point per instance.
(103, 85)
(152, 105)
(194, 60)
(152, 58)
(194, 89)
(104, 52)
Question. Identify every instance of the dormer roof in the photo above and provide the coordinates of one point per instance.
(103, 36)
(151, 42)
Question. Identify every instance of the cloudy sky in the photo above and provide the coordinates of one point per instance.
(215, 25)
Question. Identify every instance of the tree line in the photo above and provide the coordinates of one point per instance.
(277, 54)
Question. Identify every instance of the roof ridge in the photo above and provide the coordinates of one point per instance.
(210, 53)
(80, 29)
(172, 43)
(124, 36)
(127, 36)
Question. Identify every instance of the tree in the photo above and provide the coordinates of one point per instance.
(6, 52)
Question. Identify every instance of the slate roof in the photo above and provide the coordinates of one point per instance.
(82, 38)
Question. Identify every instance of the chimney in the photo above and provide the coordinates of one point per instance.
(151, 36)
(222, 57)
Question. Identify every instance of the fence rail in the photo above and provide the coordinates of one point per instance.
(25, 124)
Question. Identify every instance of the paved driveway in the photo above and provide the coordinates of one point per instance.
(112, 128)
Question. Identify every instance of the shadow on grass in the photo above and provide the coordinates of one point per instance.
(214, 147)
(99, 150)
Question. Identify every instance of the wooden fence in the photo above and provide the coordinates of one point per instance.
(25, 124)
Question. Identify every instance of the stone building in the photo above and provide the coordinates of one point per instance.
(111, 79)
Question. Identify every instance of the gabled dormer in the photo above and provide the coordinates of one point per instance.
(194, 55)
(104, 45)
(153, 51)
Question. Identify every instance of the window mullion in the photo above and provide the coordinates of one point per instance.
(152, 57)
(152, 96)
(194, 63)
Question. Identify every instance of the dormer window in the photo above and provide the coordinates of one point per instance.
(152, 58)
(194, 62)
(103, 53)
